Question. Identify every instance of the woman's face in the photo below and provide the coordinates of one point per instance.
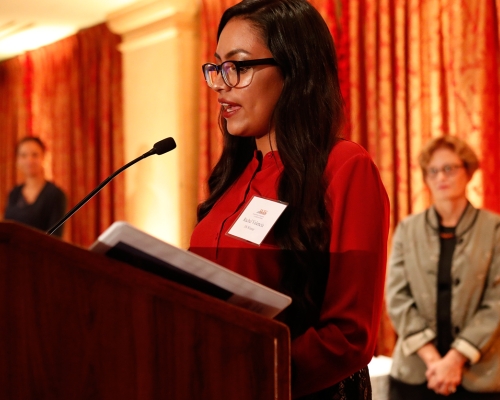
(30, 159)
(247, 110)
(446, 176)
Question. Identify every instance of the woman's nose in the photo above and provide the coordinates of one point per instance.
(219, 83)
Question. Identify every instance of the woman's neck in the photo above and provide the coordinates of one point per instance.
(450, 211)
(266, 143)
(32, 188)
(34, 182)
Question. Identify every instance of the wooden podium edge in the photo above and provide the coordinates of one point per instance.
(14, 234)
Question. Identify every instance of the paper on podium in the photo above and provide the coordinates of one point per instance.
(128, 244)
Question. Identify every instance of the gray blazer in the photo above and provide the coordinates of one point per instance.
(411, 295)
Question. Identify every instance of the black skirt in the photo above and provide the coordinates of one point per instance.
(355, 387)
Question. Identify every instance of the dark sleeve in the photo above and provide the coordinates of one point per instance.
(11, 200)
(57, 211)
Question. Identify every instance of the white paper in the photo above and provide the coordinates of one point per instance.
(246, 293)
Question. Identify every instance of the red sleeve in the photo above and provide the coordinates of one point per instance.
(344, 340)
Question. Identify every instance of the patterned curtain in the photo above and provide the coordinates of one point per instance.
(409, 70)
(69, 94)
(419, 69)
(12, 122)
(210, 139)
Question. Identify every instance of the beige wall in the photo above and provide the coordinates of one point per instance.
(161, 67)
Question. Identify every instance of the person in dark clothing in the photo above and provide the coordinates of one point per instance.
(36, 202)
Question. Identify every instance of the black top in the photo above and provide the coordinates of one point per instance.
(48, 208)
(448, 241)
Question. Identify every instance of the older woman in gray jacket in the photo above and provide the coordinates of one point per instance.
(443, 287)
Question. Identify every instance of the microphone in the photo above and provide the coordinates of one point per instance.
(161, 147)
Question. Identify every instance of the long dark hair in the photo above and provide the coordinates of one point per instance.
(307, 118)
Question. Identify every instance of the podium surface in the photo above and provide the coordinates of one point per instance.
(78, 325)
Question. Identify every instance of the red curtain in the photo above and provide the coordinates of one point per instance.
(418, 69)
(12, 121)
(210, 139)
(409, 70)
(69, 94)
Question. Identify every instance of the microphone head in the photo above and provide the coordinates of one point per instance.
(164, 146)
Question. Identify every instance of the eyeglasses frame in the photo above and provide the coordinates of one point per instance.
(451, 172)
(239, 65)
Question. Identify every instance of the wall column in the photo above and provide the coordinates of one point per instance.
(161, 70)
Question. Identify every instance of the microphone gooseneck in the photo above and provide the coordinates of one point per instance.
(161, 147)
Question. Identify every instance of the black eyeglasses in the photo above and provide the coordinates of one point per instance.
(236, 74)
(448, 170)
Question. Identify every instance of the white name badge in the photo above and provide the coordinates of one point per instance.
(257, 219)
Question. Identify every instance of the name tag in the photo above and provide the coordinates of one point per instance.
(257, 219)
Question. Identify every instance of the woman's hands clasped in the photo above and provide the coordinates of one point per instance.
(445, 374)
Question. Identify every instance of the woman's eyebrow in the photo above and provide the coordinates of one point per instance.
(233, 53)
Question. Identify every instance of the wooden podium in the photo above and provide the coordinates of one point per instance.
(78, 325)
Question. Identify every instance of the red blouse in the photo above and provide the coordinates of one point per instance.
(343, 340)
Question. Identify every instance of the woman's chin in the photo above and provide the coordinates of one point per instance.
(238, 132)
(448, 197)
(32, 174)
